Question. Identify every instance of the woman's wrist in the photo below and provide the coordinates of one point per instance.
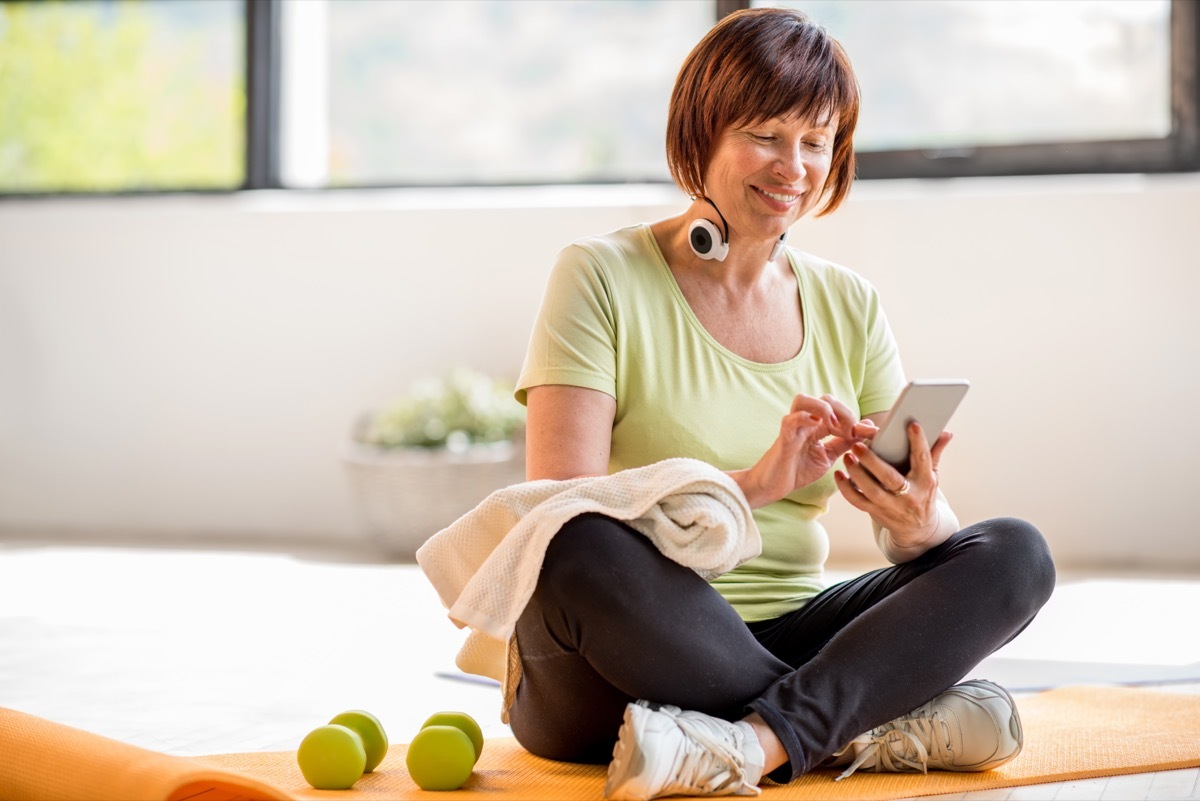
(756, 496)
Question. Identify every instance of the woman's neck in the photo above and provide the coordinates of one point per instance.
(746, 263)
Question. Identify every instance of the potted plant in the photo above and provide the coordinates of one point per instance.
(419, 463)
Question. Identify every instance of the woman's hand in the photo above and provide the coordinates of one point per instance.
(904, 505)
(812, 435)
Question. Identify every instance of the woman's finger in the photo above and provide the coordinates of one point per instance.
(940, 445)
(814, 406)
(888, 477)
(872, 485)
(865, 429)
(836, 446)
(850, 492)
(924, 460)
(845, 418)
(794, 422)
(919, 459)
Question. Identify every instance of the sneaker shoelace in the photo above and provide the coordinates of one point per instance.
(906, 744)
(712, 759)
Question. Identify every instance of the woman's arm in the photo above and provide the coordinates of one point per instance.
(568, 432)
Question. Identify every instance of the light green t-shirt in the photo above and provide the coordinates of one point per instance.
(613, 319)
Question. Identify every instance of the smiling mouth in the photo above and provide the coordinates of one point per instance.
(778, 198)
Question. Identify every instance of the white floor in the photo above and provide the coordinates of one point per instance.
(199, 652)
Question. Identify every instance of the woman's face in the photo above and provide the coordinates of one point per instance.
(765, 176)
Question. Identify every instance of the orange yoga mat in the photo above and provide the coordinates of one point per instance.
(1070, 733)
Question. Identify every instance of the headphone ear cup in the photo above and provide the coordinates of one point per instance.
(706, 241)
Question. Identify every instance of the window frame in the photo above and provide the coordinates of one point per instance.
(264, 46)
(1179, 151)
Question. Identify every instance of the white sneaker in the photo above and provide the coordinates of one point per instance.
(665, 751)
(973, 726)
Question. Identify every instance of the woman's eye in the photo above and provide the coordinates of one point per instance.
(819, 145)
(762, 137)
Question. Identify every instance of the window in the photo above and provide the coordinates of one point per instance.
(106, 97)
(481, 91)
(990, 87)
(170, 95)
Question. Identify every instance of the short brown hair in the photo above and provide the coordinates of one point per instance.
(756, 65)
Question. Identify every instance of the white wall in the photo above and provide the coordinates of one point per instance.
(191, 365)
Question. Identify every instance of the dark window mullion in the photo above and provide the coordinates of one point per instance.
(262, 94)
(1185, 83)
(727, 7)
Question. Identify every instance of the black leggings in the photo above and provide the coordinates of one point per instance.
(612, 620)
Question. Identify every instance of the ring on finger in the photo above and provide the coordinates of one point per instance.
(902, 491)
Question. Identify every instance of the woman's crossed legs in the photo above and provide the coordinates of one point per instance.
(613, 621)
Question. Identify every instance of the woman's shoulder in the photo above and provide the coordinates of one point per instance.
(630, 244)
(618, 256)
(610, 268)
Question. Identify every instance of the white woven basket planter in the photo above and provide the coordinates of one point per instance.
(409, 494)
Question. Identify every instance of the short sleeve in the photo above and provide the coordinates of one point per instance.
(573, 341)
(883, 374)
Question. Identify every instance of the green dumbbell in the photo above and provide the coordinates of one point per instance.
(444, 752)
(336, 755)
(368, 727)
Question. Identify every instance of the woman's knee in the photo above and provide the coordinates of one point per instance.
(1017, 550)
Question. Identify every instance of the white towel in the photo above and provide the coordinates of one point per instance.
(485, 565)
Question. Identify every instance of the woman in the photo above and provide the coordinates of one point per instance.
(692, 337)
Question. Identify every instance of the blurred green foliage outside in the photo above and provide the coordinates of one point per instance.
(121, 96)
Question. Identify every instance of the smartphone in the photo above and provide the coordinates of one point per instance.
(930, 402)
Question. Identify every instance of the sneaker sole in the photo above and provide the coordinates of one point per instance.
(1016, 731)
(627, 764)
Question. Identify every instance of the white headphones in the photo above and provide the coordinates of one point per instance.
(707, 241)
(775, 251)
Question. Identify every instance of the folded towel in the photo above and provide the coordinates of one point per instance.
(485, 565)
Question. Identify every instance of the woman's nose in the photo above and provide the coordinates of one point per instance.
(790, 164)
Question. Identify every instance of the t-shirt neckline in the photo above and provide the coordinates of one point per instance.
(694, 321)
